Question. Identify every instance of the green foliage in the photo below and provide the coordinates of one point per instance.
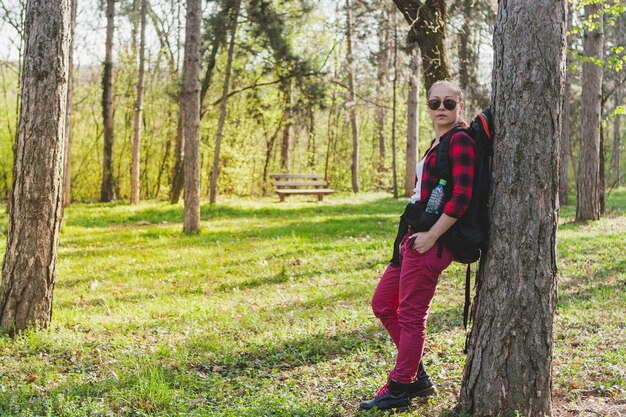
(267, 313)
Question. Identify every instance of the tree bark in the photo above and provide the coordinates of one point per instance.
(394, 168)
(510, 349)
(352, 98)
(588, 201)
(178, 172)
(285, 157)
(413, 125)
(428, 29)
(134, 171)
(191, 116)
(220, 126)
(29, 269)
(565, 137)
(382, 74)
(67, 171)
(617, 137)
(106, 188)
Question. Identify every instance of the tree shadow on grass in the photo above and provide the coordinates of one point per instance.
(174, 214)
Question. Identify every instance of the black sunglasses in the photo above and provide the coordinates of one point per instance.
(448, 104)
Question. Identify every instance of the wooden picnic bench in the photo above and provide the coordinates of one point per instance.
(290, 184)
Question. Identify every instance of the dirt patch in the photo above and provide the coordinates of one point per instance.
(588, 407)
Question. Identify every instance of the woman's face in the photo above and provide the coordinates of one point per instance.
(444, 96)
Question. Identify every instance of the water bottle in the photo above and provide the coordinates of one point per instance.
(434, 205)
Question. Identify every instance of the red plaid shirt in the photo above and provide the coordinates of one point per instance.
(461, 159)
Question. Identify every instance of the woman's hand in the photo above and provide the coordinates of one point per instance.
(423, 241)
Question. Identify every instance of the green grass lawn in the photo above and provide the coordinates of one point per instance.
(266, 313)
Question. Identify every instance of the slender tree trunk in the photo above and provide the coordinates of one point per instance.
(311, 146)
(29, 269)
(191, 116)
(465, 47)
(617, 137)
(382, 75)
(428, 28)
(565, 137)
(220, 126)
(394, 169)
(67, 171)
(134, 171)
(413, 124)
(588, 201)
(285, 157)
(106, 188)
(178, 172)
(352, 98)
(510, 349)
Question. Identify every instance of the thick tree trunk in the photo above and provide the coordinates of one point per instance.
(510, 351)
(565, 136)
(352, 98)
(67, 171)
(413, 125)
(134, 170)
(588, 201)
(428, 29)
(106, 188)
(29, 269)
(220, 126)
(191, 116)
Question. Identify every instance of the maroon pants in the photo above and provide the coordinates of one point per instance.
(402, 300)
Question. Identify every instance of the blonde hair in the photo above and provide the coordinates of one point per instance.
(457, 90)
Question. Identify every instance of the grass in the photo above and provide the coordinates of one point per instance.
(266, 313)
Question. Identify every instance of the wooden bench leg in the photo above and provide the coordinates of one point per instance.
(320, 197)
(282, 197)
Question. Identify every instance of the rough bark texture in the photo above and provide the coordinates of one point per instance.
(106, 188)
(29, 269)
(352, 98)
(191, 116)
(565, 136)
(67, 171)
(220, 126)
(588, 201)
(428, 29)
(509, 360)
(178, 172)
(134, 170)
(413, 126)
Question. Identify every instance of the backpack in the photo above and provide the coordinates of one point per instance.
(467, 238)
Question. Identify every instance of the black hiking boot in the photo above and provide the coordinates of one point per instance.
(392, 396)
(422, 386)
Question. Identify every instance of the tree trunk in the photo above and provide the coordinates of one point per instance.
(352, 98)
(106, 188)
(510, 349)
(178, 172)
(588, 201)
(413, 125)
(464, 46)
(191, 116)
(311, 146)
(617, 136)
(394, 169)
(382, 74)
(428, 29)
(67, 171)
(220, 126)
(565, 137)
(29, 270)
(134, 171)
(285, 157)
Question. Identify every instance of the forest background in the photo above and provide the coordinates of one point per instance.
(289, 101)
